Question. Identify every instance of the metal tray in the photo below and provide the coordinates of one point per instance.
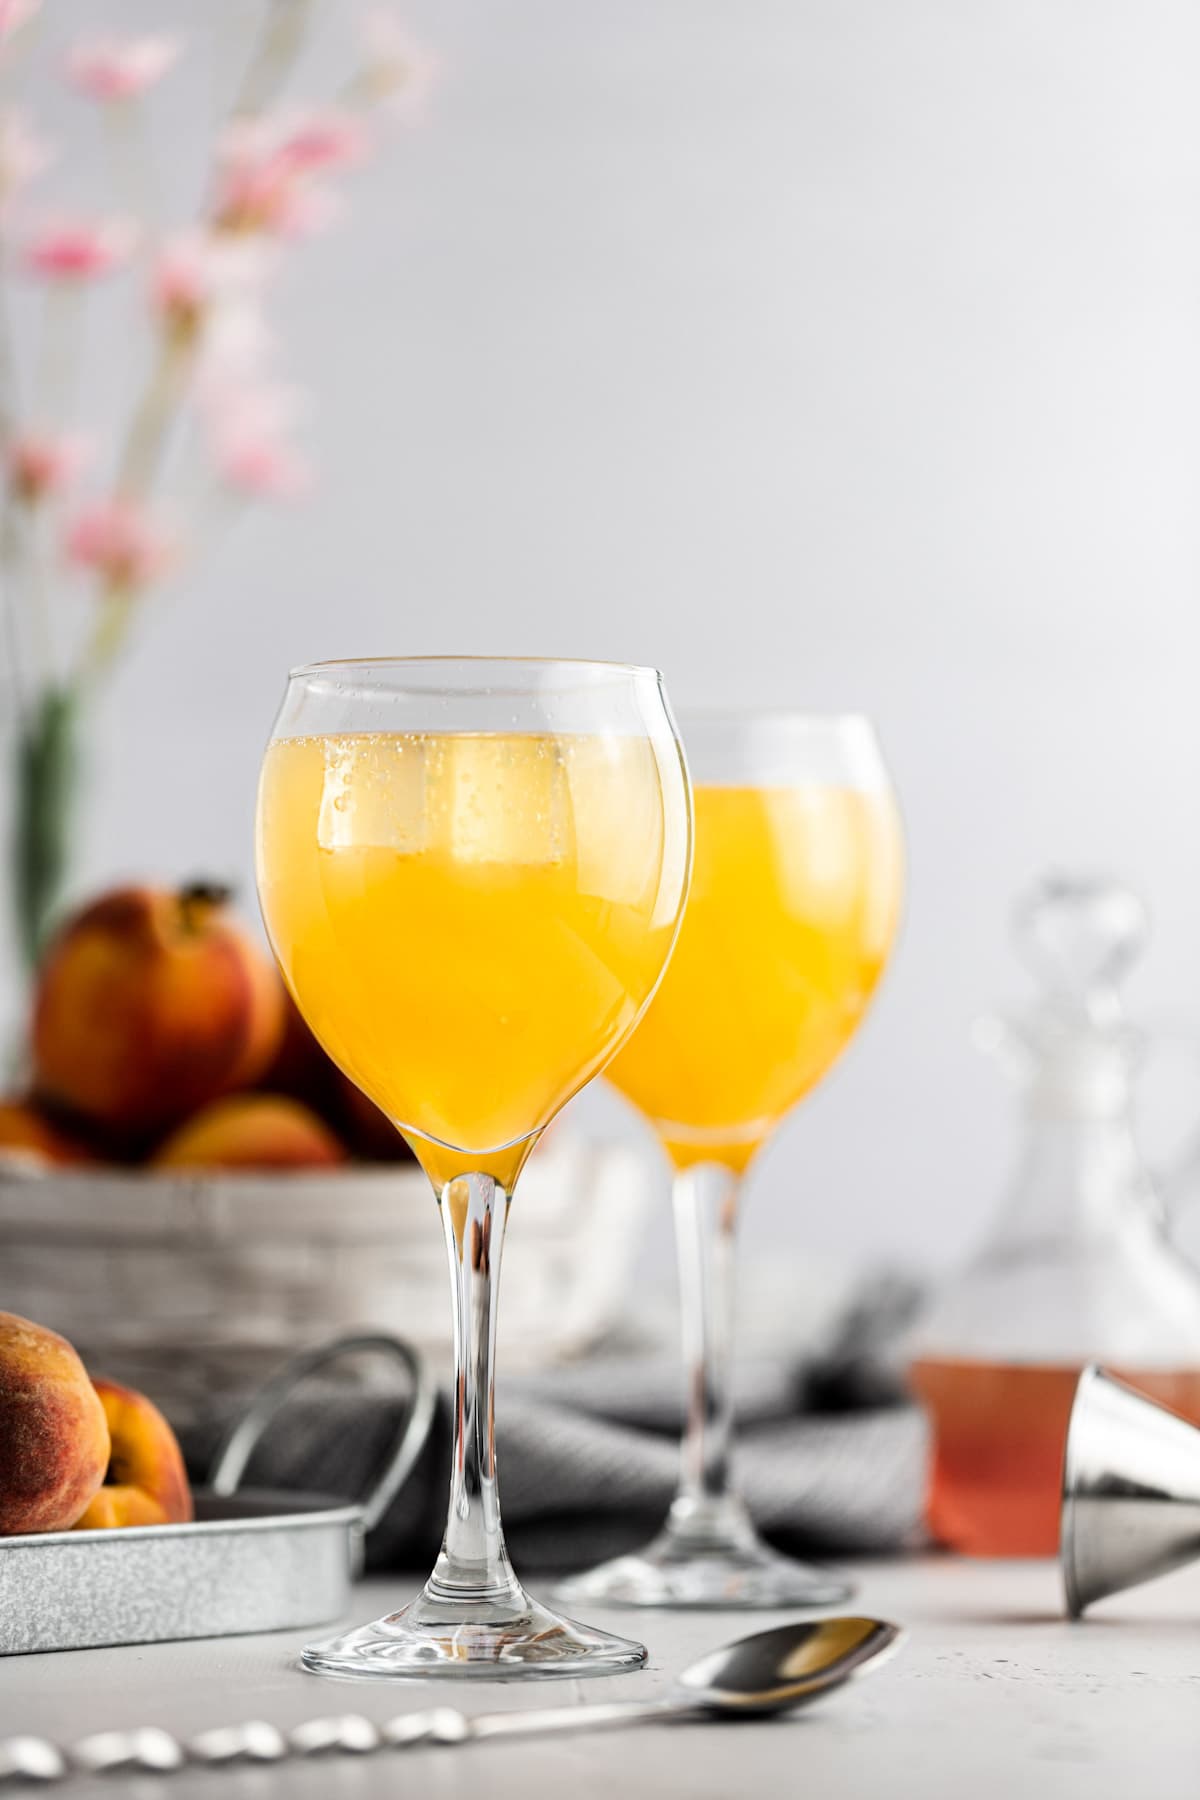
(252, 1560)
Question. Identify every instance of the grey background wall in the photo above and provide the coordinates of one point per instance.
(834, 353)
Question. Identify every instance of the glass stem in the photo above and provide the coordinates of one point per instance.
(706, 1512)
(473, 1565)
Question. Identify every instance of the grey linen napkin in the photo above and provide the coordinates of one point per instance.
(829, 1456)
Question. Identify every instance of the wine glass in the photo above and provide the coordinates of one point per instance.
(472, 872)
(793, 906)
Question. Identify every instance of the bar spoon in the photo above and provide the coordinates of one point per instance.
(769, 1672)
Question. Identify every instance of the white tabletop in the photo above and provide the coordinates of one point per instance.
(994, 1695)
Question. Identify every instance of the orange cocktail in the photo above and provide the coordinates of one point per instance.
(795, 896)
(793, 906)
(469, 923)
(472, 871)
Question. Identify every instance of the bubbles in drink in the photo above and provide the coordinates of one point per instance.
(373, 794)
(502, 800)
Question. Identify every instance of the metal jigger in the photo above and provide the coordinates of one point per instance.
(1131, 1491)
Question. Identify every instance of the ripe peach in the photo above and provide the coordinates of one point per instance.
(304, 1072)
(146, 1482)
(25, 1131)
(54, 1442)
(251, 1131)
(367, 1130)
(300, 1068)
(149, 1005)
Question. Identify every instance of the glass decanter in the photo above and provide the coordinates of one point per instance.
(1078, 1267)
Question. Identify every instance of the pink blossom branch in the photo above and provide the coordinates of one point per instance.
(270, 62)
(269, 181)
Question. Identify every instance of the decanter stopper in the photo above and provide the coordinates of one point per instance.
(1078, 936)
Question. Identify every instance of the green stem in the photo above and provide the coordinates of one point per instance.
(270, 63)
(132, 161)
(30, 555)
(152, 419)
(58, 362)
(47, 782)
(16, 48)
(115, 610)
(145, 444)
(10, 542)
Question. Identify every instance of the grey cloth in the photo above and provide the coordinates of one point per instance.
(829, 1457)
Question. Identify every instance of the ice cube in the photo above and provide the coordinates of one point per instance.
(617, 806)
(502, 799)
(374, 794)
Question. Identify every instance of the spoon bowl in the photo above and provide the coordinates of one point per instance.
(772, 1671)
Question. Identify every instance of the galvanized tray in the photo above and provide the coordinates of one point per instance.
(252, 1560)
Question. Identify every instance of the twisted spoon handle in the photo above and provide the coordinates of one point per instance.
(149, 1749)
(545, 1719)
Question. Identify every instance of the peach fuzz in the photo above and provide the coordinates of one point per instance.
(54, 1441)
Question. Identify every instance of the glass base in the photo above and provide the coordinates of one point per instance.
(499, 1639)
(714, 1561)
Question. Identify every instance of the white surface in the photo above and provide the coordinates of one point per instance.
(993, 1695)
(842, 353)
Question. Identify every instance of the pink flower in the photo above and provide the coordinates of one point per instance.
(266, 169)
(237, 345)
(264, 468)
(255, 190)
(194, 270)
(120, 68)
(248, 433)
(42, 463)
(121, 542)
(23, 154)
(77, 250)
(395, 66)
(330, 138)
(14, 14)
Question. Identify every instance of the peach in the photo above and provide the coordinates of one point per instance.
(54, 1442)
(146, 1482)
(25, 1131)
(304, 1072)
(300, 1068)
(251, 1131)
(149, 1005)
(366, 1129)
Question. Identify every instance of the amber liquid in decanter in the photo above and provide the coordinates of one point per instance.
(995, 1485)
(1078, 1267)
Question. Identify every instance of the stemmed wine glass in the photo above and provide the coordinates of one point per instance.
(472, 872)
(794, 901)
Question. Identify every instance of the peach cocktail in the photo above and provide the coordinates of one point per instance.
(472, 873)
(793, 906)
